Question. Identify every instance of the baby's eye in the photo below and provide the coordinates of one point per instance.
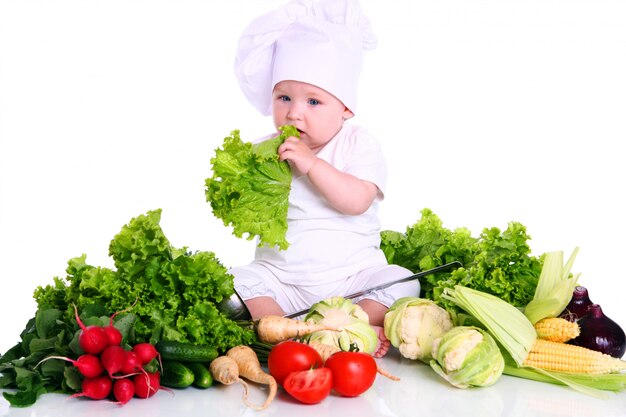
(313, 102)
(284, 98)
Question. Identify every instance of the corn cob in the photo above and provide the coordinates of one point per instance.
(556, 329)
(555, 356)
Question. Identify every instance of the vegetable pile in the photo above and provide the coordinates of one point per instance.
(532, 341)
(529, 356)
(249, 189)
(502, 293)
(310, 372)
(173, 294)
(504, 312)
(307, 370)
(299, 359)
(92, 360)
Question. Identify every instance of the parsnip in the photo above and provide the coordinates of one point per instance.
(275, 329)
(225, 371)
(250, 368)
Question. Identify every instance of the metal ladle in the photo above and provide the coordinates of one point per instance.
(235, 308)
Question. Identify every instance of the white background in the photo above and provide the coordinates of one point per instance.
(489, 111)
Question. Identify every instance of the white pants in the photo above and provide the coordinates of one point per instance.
(255, 280)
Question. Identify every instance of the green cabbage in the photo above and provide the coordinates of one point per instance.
(250, 187)
(412, 324)
(467, 356)
(352, 322)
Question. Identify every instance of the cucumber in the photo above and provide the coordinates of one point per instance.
(185, 352)
(176, 375)
(201, 373)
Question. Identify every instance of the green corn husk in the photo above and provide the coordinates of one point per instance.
(554, 288)
(507, 324)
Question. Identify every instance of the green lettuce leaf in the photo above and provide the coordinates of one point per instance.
(173, 292)
(249, 189)
(496, 262)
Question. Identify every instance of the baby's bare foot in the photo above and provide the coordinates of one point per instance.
(383, 343)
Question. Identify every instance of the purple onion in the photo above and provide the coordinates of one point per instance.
(578, 305)
(599, 332)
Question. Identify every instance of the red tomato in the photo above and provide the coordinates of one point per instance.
(310, 386)
(290, 356)
(353, 372)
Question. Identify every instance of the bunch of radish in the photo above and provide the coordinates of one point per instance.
(109, 369)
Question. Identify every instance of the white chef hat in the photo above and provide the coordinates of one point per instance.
(320, 42)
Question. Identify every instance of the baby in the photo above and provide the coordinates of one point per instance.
(301, 64)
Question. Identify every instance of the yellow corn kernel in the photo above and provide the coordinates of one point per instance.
(556, 356)
(556, 329)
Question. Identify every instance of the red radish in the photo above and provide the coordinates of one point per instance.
(114, 336)
(97, 388)
(88, 365)
(146, 385)
(131, 364)
(123, 390)
(92, 339)
(145, 352)
(113, 359)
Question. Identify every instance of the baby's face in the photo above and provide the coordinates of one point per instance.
(317, 114)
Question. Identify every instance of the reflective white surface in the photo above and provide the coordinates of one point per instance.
(420, 392)
(109, 109)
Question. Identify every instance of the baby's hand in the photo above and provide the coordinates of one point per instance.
(300, 157)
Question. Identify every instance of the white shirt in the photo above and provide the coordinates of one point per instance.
(325, 244)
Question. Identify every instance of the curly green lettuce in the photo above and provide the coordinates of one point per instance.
(174, 293)
(250, 186)
(497, 262)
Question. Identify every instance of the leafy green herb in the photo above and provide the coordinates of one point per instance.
(250, 187)
(49, 334)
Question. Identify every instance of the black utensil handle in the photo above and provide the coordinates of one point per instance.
(440, 268)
